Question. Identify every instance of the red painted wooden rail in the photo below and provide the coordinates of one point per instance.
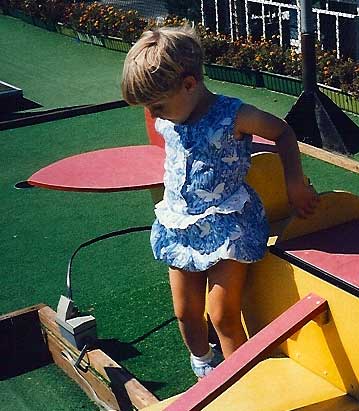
(249, 354)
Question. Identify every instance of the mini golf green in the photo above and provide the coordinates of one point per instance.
(116, 280)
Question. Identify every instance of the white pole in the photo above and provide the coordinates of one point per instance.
(202, 13)
(280, 26)
(299, 26)
(231, 18)
(235, 14)
(318, 26)
(337, 35)
(263, 21)
(247, 18)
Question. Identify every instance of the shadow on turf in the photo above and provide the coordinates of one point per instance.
(120, 351)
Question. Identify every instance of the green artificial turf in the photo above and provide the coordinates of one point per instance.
(44, 389)
(116, 280)
(55, 70)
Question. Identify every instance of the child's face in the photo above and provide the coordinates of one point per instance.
(178, 106)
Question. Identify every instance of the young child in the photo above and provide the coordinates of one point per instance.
(210, 224)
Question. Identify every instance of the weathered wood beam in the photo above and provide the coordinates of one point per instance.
(105, 380)
(338, 160)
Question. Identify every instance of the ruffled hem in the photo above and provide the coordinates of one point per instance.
(189, 259)
(171, 219)
(236, 236)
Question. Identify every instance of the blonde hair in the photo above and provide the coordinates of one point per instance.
(156, 65)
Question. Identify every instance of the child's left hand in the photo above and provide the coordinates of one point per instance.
(303, 198)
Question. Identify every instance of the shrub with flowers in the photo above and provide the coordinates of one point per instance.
(109, 20)
(46, 10)
(245, 53)
(67, 14)
(100, 19)
(129, 27)
(171, 21)
(339, 73)
(11, 4)
(268, 55)
(74, 14)
(90, 18)
(215, 46)
(241, 54)
(250, 54)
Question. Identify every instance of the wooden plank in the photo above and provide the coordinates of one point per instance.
(22, 311)
(120, 377)
(334, 208)
(22, 345)
(95, 389)
(249, 354)
(329, 157)
(122, 384)
(270, 186)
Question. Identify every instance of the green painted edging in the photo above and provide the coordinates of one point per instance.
(279, 83)
(234, 75)
(90, 38)
(343, 100)
(282, 84)
(44, 24)
(66, 31)
(115, 43)
(18, 14)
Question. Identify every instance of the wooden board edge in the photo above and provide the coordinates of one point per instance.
(119, 381)
(334, 208)
(97, 390)
(336, 159)
(22, 311)
(250, 354)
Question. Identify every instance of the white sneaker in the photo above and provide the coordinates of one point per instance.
(203, 370)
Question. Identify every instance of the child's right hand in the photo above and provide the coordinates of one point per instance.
(303, 198)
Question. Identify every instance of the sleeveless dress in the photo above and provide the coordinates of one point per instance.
(208, 212)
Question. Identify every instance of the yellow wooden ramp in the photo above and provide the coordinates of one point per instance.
(278, 384)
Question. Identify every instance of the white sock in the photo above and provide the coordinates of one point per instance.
(204, 359)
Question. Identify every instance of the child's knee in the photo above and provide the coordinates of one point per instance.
(225, 321)
(187, 314)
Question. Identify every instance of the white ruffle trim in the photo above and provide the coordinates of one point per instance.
(171, 219)
(188, 258)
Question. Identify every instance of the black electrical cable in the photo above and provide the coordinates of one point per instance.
(95, 240)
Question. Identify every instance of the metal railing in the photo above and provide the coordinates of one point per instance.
(335, 29)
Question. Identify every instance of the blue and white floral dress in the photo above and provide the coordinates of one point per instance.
(208, 212)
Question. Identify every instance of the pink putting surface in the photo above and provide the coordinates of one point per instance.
(262, 144)
(334, 250)
(113, 169)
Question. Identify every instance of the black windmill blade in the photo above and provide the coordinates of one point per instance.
(315, 118)
(318, 121)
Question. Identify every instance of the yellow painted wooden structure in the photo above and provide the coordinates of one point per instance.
(317, 369)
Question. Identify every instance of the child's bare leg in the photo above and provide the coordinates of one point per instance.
(226, 282)
(189, 294)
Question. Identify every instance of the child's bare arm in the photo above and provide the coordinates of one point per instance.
(251, 120)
